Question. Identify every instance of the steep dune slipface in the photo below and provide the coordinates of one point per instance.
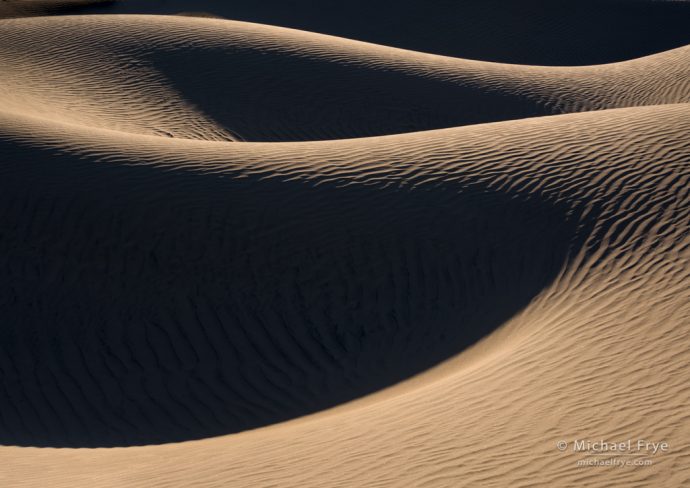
(160, 281)
(206, 79)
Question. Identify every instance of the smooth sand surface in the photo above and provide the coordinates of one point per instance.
(235, 254)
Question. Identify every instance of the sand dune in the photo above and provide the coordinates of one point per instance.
(197, 240)
(543, 32)
(200, 79)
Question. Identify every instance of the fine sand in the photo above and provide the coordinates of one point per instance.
(235, 254)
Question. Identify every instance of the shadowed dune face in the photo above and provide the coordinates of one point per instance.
(355, 99)
(150, 306)
(543, 32)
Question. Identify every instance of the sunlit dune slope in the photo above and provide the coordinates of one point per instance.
(212, 79)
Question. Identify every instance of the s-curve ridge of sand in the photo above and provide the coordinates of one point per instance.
(242, 255)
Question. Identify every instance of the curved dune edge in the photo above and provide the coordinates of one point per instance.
(581, 361)
(206, 79)
(534, 32)
(319, 216)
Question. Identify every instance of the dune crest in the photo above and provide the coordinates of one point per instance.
(537, 32)
(169, 76)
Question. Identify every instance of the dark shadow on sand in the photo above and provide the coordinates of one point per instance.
(142, 306)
